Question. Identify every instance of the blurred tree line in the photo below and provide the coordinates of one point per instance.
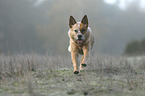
(27, 27)
(135, 47)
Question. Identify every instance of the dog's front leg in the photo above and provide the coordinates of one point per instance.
(74, 57)
(84, 58)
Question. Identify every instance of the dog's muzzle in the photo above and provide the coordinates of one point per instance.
(80, 41)
(79, 36)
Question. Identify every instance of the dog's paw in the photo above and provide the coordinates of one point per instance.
(76, 72)
(84, 65)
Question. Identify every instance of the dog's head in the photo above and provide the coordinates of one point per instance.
(78, 30)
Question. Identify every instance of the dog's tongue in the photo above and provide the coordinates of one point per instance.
(79, 41)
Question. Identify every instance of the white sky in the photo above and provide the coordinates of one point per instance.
(110, 1)
(123, 4)
(38, 2)
(142, 4)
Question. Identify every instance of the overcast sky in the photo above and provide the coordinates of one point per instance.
(122, 4)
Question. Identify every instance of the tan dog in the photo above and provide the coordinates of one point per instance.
(81, 41)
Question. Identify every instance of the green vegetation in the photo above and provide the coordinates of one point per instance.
(53, 76)
(135, 47)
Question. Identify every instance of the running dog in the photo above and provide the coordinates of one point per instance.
(81, 42)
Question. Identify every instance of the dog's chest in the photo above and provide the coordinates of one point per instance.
(80, 50)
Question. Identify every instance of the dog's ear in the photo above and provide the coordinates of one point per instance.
(85, 20)
(72, 21)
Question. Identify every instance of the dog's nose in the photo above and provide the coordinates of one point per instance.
(79, 36)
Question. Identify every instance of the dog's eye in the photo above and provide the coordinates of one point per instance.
(76, 31)
(83, 30)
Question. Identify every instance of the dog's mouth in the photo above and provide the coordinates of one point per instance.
(80, 41)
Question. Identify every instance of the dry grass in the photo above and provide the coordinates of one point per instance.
(42, 75)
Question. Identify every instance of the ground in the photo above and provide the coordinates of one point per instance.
(39, 75)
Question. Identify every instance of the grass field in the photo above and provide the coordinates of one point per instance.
(42, 75)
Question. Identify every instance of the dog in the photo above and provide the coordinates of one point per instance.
(81, 42)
